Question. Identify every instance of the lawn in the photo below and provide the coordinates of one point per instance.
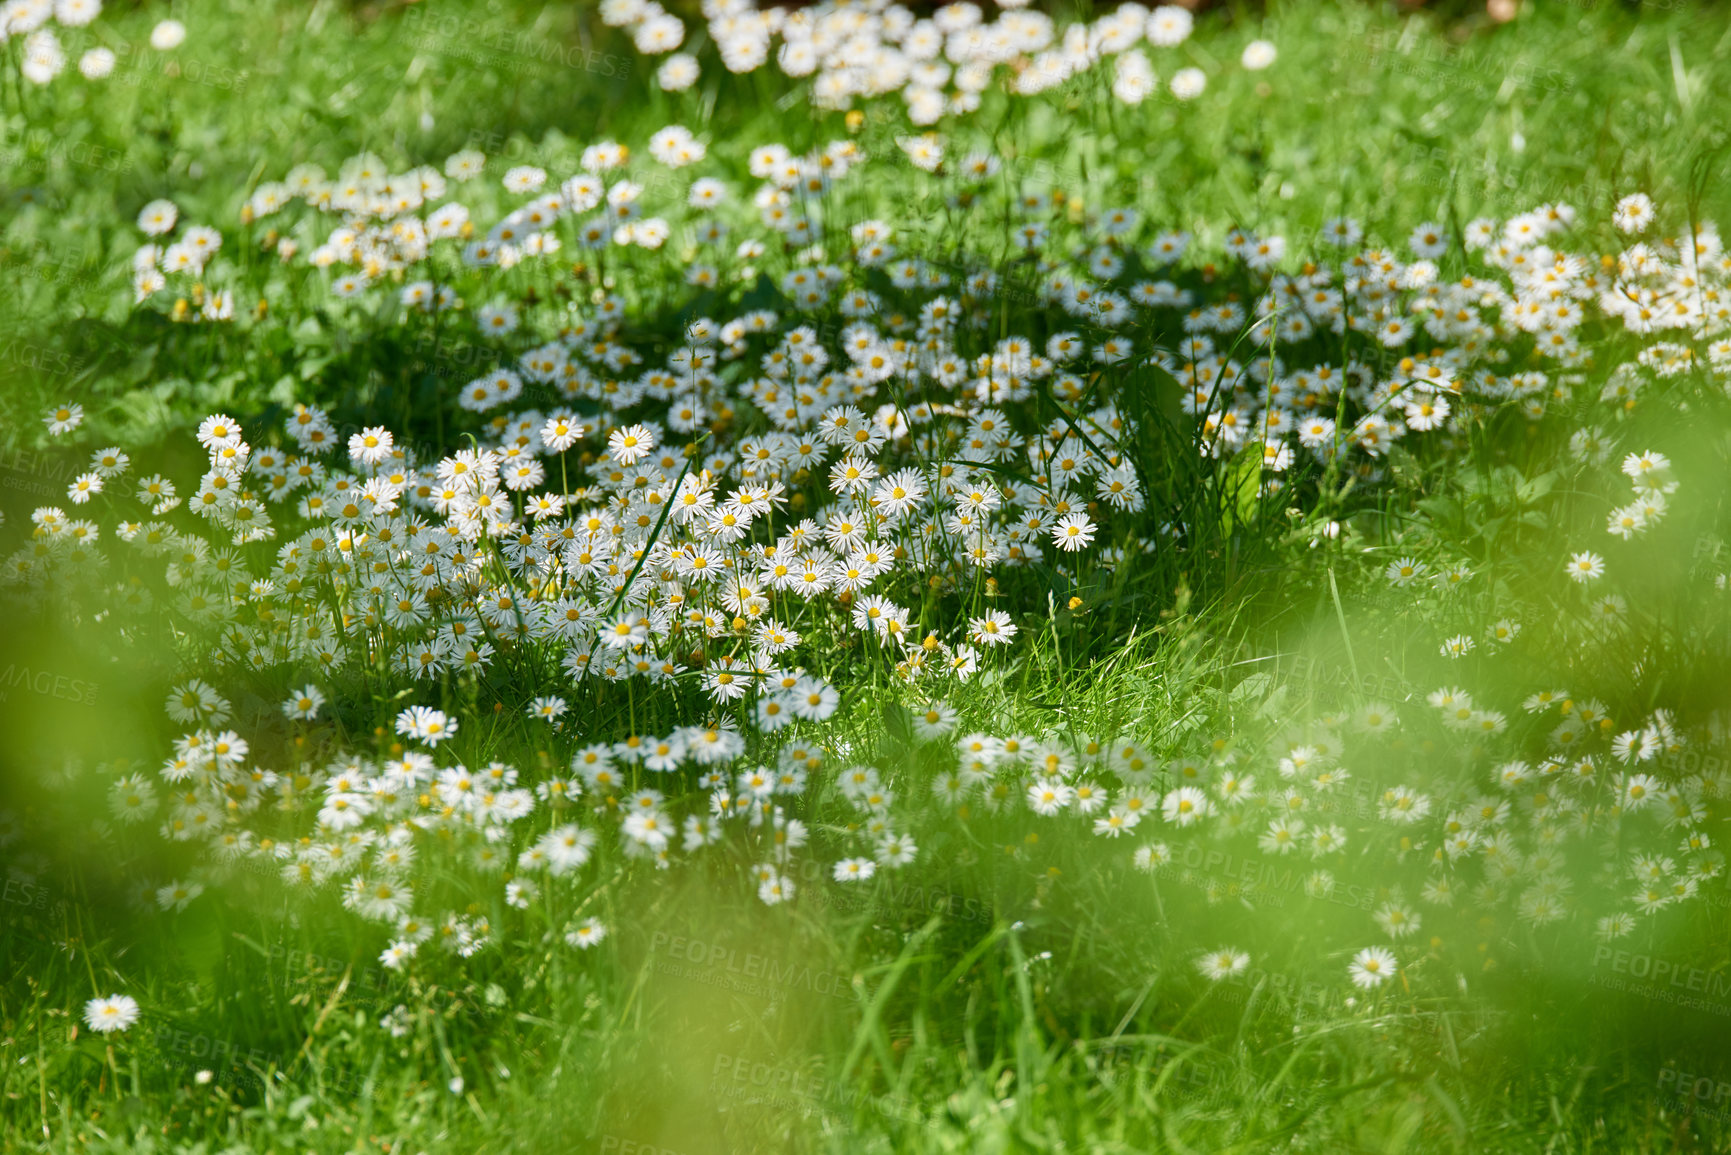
(1153, 587)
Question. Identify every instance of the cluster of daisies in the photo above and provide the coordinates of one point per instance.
(394, 836)
(1474, 326)
(1527, 843)
(941, 64)
(187, 253)
(43, 55)
(664, 566)
(609, 547)
(1369, 968)
(1261, 370)
(1653, 483)
(1524, 843)
(1576, 784)
(692, 515)
(599, 548)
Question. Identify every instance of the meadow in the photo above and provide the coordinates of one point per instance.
(599, 578)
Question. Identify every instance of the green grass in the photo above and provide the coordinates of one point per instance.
(1023, 989)
(1390, 121)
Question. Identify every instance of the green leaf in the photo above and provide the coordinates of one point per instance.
(1533, 489)
(1242, 485)
(1253, 686)
(1443, 509)
(898, 722)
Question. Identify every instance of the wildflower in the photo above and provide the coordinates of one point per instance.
(629, 446)
(84, 487)
(176, 896)
(566, 848)
(628, 632)
(1397, 921)
(1458, 646)
(854, 869)
(132, 798)
(110, 462)
(1634, 213)
(894, 850)
(1073, 532)
(1614, 926)
(775, 889)
(1405, 571)
(426, 725)
(1048, 796)
(1222, 964)
(1503, 632)
(993, 629)
(1282, 837)
(1188, 83)
(547, 707)
(371, 446)
(586, 934)
(678, 72)
(1639, 791)
(1377, 718)
(96, 63)
(167, 35)
(64, 418)
(157, 217)
(304, 704)
(1258, 55)
(114, 1013)
(1371, 967)
(814, 701)
(396, 956)
(1185, 806)
(1152, 856)
(934, 722)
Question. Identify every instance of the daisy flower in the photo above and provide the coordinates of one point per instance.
(64, 418)
(548, 708)
(855, 869)
(114, 1013)
(304, 703)
(397, 955)
(426, 725)
(775, 889)
(1371, 967)
(1614, 926)
(1405, 571)
(1585, 566)
(896, 850)
(993, 629)
(1258, 54)
(934, 722)
(586, 933)
(1221, 964)
(167, 35)
(1633, 213)
(1074, 531)
(630, 445)
(157, 217)
(1185, 806)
